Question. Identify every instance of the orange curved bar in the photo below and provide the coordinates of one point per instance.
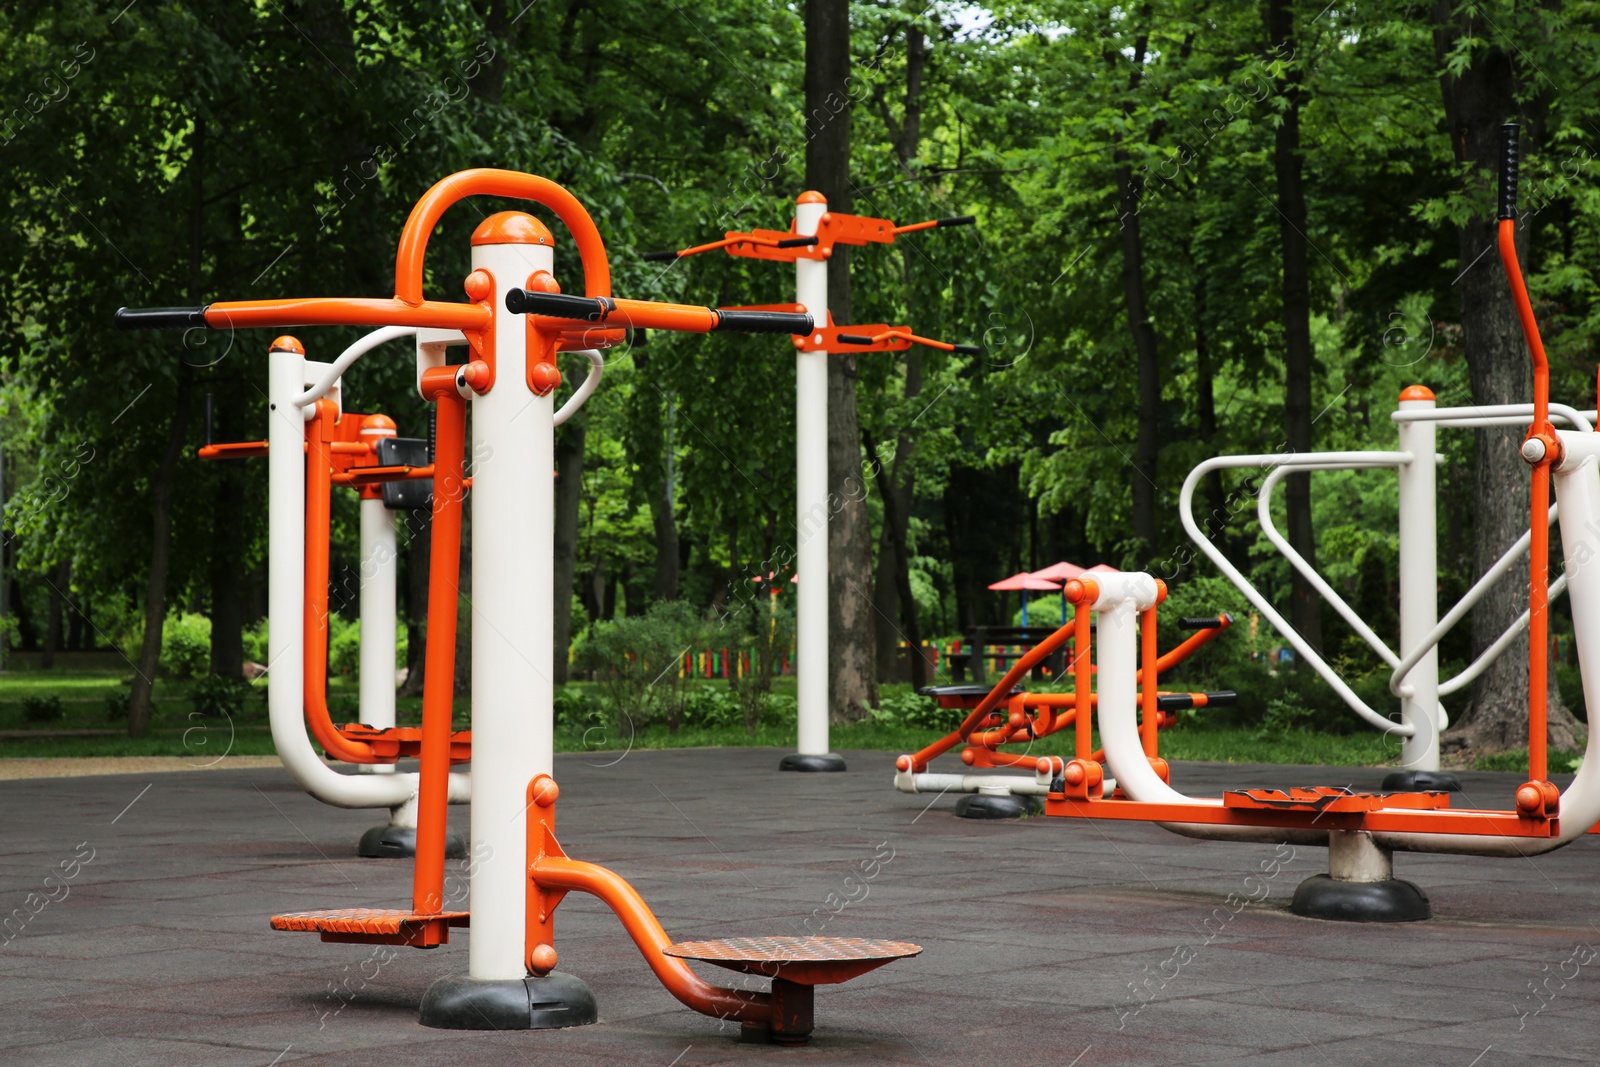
(1539, 550)
(344, 311)
(438, 682)
(486, 181)
(319, 475)
(563, 873)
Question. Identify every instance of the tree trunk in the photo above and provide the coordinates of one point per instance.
(895, 499)
(569, 501)
(1475, 105)
(227, 598)
(1206, 401)
(1305, 606)
(52, 629)
(1147, 447)
(664, 513)
(853, 684)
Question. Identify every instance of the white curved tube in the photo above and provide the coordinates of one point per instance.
(1494, 415)
(1298, 562)
(286, 511)
(929, 782)
(336, 369)
(591, 381)
(1301, 647)
(1501, 643)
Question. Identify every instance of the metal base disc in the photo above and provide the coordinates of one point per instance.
(1420, 782)
(551, 1002)
(400, 842)
(986, 806)
(1393, 901)
(794, 761)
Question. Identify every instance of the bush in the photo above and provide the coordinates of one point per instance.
(635, 660)
(185, 644)
(117, 705)
(765, 627)
(255, 642)
(716, 707)
(916, 712)
(344, 646)
(221, 698)
(43, 708)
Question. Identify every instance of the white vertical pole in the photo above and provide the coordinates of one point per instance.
(379, 568)
(811, 495)
(513, 610)
(1419, 582)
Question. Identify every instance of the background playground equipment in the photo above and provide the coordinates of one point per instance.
(515, 322)
(1006, 715)
(1360, 830)
(809, 244)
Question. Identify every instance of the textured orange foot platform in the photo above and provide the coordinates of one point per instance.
(381, 926)
(803, 960)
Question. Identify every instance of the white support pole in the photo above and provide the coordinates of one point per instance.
(811, 495)
(513, 608)
(1419, 590)
(379, 570)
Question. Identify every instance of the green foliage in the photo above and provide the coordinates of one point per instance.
(344, 646)
(222, 698)
(185, 644)
(765, 627)
(904, 708)
(117, 705)
(43, 708)
(636, 661)
(255, 642)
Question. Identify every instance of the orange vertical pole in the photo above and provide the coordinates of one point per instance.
(1148, 717)
(1083, 742)
(444, 575)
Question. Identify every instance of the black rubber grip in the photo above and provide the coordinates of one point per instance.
(853, 339)
(160, 318)
(1508, 171)
(1205, 622)
(659, 257)
(1178, 701)
(957, 220)
(969, 350)
(797, 242)
(762, 322)
(559, 305)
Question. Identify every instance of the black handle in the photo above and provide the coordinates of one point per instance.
(160, 318)
(797, 242)
(1223, 698)
(853, 339)
(763, 322)
(969, 350)
(957, 220)
(1508, 171)
(559, 305)
(659, 257)
(1206, 622)
(433, 428)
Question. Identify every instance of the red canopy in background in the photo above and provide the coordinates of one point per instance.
(1025, 582)
(1059, 572)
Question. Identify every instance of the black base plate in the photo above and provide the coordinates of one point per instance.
(794, 761)
(985, 806)
(1394, 901)
(551, 1002)
(1420, 782)
(400, 842)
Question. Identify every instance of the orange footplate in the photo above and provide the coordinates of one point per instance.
(404, 742)
(1330, 798)
(375, 926)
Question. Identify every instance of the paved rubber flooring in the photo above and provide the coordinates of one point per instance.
(1046, 941)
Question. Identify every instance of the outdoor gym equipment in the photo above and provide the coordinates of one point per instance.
(514, 322)
(809, 244)
(1360, 830)
(1006, 715)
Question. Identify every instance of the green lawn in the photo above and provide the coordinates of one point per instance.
(84, 681)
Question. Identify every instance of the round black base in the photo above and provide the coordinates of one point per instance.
(549, 1003)
(400, 842)
(794, 761)
(986, 806)
(1420, 782)
(1394, 901)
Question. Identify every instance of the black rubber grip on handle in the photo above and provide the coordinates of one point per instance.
(762, 322)
(797, 242)
(559, 305)
(659, 257)
(1223, 698)
(1205, 622)
(957, 220)
(853, 339)
(969, 350)
(1508, 171)
(160, 318)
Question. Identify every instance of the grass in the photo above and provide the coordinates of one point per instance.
(84, 681)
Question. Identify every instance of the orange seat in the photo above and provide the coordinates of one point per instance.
(404, 742)
(375, 926)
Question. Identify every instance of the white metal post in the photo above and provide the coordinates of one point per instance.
(379, 569)
(811, 495)
(1419, 593)
(513, 609)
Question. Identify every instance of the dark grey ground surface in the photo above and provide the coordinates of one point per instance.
(1042, 938)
